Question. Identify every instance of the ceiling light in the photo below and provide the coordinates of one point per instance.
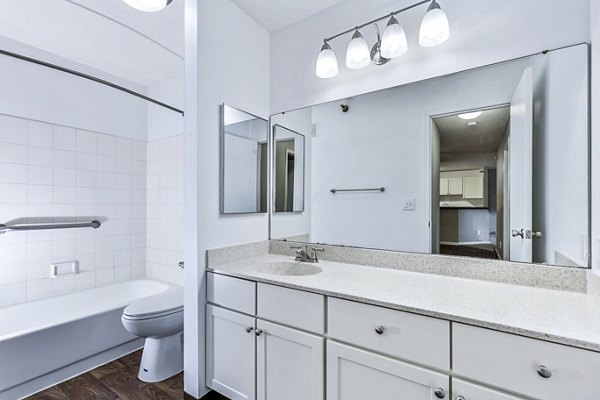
(327, 63)
(470, 115)
(148, 5)
(393, 42)
(435, 28)
(357, 55)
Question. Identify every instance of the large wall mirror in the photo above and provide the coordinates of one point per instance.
(244, 162)
(490, 162)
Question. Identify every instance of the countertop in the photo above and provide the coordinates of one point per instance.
(563, 317)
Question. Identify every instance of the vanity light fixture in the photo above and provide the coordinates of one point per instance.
(327, 63)
(470, 115)
(149, 5)
(435, 30)
(357, 53)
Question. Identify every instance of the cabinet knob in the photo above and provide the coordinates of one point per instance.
(544, 372)
(258, 332)
(460, 398)
(379, 329)
(249, 329)
(439, 393)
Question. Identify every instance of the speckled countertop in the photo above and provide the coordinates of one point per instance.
(566, 317)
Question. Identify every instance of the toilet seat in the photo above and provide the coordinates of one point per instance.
(157, 306)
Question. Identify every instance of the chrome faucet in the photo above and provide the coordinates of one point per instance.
(306, 255)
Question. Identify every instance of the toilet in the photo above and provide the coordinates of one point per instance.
(159, 319)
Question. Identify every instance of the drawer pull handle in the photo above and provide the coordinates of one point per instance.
(258, 332)
(379, 330)
(544, 372)
(439, 393)
(249, 329)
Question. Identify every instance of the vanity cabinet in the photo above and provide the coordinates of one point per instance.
(355, 374)
(230, 353)
(289, 363)
(462, 390)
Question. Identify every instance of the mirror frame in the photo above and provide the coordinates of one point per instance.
(273, 152)
(589, 144)
(222, 161)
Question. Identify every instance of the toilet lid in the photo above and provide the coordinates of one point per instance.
(166, 302)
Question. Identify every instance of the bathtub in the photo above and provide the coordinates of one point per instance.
(48, 341)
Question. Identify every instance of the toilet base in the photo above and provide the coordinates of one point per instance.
(162, 358)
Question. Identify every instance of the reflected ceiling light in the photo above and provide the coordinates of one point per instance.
(357, 55)
(148, 5)
(393, 41)
(435, 28)
(472, 123)
(470, 115)
(327, 63)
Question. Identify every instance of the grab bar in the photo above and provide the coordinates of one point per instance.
(381, 189)
(37, 227)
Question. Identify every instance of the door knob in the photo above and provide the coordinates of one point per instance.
(439, 393)
(521, 233)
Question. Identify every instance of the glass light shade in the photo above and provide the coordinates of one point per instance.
(435, 28)
(327, 63)
(393, 41)
(148, 5)
(358, 54)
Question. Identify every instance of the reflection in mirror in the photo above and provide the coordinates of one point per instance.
(244, 162)
(288, 170)
(490, 162)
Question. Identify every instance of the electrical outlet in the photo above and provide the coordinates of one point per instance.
(408, 204)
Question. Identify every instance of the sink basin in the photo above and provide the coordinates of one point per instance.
(290, 268)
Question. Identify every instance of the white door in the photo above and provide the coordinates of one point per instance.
(469, 391)
(354, 374)
(520, 169)
(290, 364)
(230, 353)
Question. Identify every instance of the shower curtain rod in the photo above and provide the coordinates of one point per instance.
(89, 77)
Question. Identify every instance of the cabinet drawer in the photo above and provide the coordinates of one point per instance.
(233, 293)
(462, 390)
(292, 307)
(421, 339)
(512, 362)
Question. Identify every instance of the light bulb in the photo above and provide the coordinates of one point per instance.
(393, 41)
(148, 5)
(358, 54)
(435, 28)
(327, 63)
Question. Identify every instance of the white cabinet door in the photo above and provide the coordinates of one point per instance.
(230, 353)
(444, 187)
(473, 187)
(290, 364)
(462, 390)
(455, 186)
(354, 374)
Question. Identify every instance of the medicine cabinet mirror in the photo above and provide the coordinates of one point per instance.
(244, 162)
(288, 170)
(490, 163)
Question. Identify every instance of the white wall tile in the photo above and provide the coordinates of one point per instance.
(40, 134)
(65, 138)
(86, 142)
(13, 173)
(13, 153)
(39, 175)
(105, 145)
(13, 294)
(38, 289)
(13, 273)
(13, 131)
(40, 156)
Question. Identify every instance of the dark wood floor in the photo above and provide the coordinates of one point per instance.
(117, 380)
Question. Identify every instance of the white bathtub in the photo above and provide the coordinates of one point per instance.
(50, 340)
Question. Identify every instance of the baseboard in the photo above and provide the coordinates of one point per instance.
(70, 371)
(465, 243)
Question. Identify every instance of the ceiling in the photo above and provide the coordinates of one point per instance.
(457, 137)
(107, 35)
(276, 14)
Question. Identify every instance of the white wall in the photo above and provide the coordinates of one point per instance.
(595, 37)
(39, 93)
(483, 32)
(214, 75)
(162, 122)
